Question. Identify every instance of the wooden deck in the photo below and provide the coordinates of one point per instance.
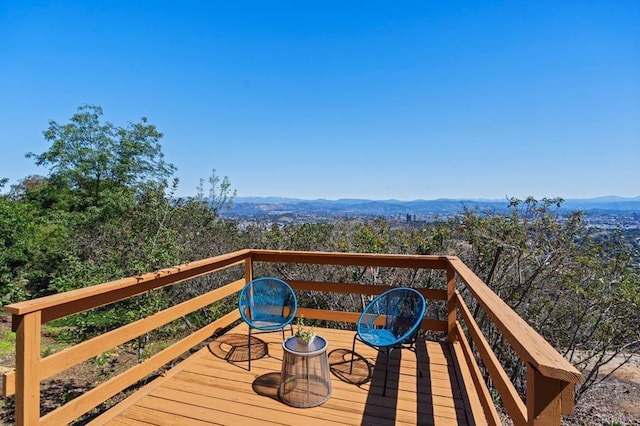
(213, 386)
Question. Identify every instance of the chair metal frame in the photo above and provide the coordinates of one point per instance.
(276, 321)
(407, 340)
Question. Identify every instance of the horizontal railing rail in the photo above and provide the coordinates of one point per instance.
(71, 302)
(507, 391)
(550, 377)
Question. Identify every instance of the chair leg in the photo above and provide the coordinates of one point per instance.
(353, 352)
(415, 350)
(290, 327)
(386, 372)
(249, 348)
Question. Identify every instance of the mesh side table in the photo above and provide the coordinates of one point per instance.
(306, 378)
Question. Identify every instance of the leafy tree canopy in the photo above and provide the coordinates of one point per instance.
(98, 162)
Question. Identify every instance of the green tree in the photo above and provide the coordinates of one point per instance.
(99, 174)
(32, 242)
(99, 165)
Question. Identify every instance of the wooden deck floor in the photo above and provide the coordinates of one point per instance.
(213, 386)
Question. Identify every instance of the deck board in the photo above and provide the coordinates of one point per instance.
(210, 390)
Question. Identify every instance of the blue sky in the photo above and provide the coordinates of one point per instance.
(336, 99)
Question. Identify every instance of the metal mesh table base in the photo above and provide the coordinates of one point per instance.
(305, 378)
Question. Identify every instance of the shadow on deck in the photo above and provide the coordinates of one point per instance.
(213, 386)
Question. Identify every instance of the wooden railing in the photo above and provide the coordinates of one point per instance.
(550, 378)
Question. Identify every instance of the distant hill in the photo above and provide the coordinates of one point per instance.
(610, 203)
(255, 206)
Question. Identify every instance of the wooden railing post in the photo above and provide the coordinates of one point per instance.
(248, 269)
(544, 398)
(451, 304)
(27, 328)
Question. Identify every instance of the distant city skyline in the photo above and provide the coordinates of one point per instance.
(335, 100)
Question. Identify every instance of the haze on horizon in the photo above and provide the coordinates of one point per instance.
(377, 101)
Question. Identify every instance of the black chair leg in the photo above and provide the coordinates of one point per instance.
(415, 350)
(249, 348)
(386, 373)
(353, 352)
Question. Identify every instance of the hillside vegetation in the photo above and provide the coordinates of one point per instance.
(106, 210)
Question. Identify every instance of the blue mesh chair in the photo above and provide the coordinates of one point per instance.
(391, 321)
(267, 304)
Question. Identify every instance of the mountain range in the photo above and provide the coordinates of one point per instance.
(255, 206)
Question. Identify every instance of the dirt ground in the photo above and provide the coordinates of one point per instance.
(615, 401)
